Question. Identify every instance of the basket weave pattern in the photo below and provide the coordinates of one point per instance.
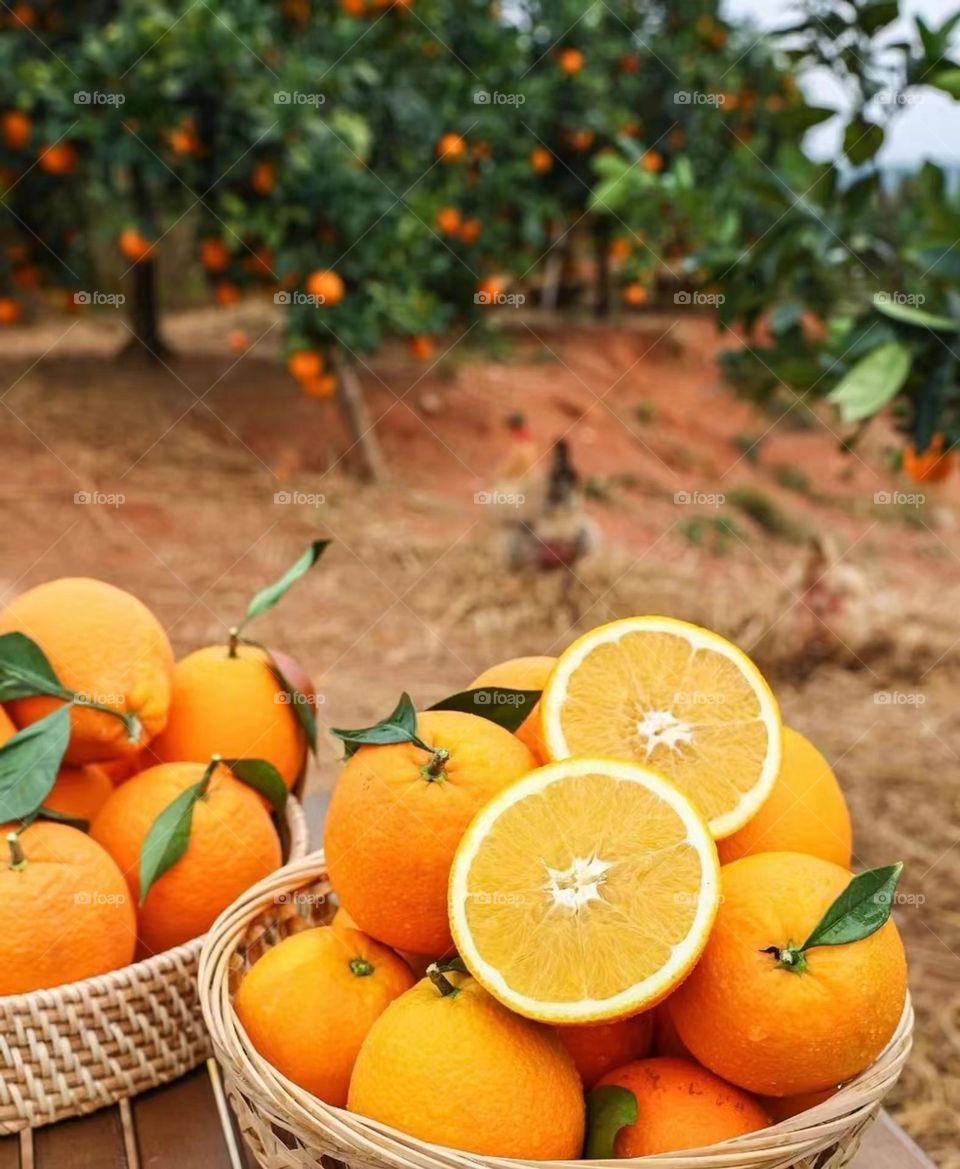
(288, 1128)
(86, 1045)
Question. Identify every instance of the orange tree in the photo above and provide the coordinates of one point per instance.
(127, 121)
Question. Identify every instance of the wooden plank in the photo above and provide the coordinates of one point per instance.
(10, 1153)
(89, 1142)
(178, 1127)
(887, 1146)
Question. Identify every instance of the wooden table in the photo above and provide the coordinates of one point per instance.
(187, 1125)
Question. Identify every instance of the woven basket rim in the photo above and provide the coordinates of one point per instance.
(803, 1135)
(157, 964)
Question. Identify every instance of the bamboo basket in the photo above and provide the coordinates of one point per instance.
(288, 1128)
(85, 1045)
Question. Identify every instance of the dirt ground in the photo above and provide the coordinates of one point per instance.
(193, 484)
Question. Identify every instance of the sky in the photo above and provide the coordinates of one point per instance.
(928, 128)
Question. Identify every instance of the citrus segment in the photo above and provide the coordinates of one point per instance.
(675, 697)
(584, 891)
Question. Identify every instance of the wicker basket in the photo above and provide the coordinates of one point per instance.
(85, 1045)
(288, 1128)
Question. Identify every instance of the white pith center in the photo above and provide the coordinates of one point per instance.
(662, 728)
(579, 884)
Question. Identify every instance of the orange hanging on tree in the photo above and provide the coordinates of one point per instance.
(451, 148)
(58, 159)
(327, 286)
(932, 465)
(16, 128)
(570, 61)
(134, 246)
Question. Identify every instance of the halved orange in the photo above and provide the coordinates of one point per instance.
(675, 697)
(584, 891)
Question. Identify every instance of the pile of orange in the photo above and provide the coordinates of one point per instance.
(627, 889)
(142, 742)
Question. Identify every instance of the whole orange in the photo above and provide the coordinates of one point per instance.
(600, 1047)
(778, 1031)
(541, 160)
(233, 844)
(930, 466)
(16, 128)
(516, 1091)
(105, 644)
(570, 61)
(327, 286)
(226, 293)
(10, 311)
(421, 347)
(58, 159)
(65, 911)
(304, 364)
(451, 148)
(681, 1106)
(418, 963)
(805, 811)
(448, 220)
(470, 230)
(234, 707)
(214, 255)
(134, 246)
(309, 1002)
(322, 386)
(580, 140)
(635, 294)
(521, 674)
(652, 161)
(263, 176)
(238, 340)
(397, 815)
(80, 791)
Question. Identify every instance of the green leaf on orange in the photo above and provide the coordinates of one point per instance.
(400, 726)
(29, 762)
(267, 597)
(609, 1109)
(263, 777)
(167, 840)
(498, 704)
(860, 910)
(301, 703)
(51, 814)
(25, 670)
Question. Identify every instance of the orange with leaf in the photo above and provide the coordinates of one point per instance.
(529, 673)
(238, 700)
(107, 670)
(411, 786)
(669, 1105)
(803, 980)
(189, 839)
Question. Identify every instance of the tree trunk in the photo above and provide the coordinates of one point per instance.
(358, 420)
(146, 343)
(601, 237)
(552, 269)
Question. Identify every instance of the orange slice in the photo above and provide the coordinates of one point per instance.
(584, 891)
(675, 697)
